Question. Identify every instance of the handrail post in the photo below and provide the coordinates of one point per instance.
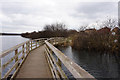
(54, 41)
(36, 43)
(16, 59)
(23, 51)
(26, 48)
(50, 51)
(59, 62)
(39, 43)
(31, 45)
(0, 69)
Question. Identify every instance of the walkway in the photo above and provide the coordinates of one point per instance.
(35, 66)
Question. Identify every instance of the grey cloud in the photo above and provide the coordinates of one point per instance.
(12, 7)
(96, 9)
(24, 8)
(23, 13)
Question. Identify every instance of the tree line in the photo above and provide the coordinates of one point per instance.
(53, 30)
(105, 39)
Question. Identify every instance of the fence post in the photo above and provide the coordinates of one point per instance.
(23, 51)
(50, 51)
(26, 48)
(0, 69)
(31, 45)
(39, 42)
(16, 59)
(36, 43)
(59, 62)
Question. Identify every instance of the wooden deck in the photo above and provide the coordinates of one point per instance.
(41, 59)
(35, 65)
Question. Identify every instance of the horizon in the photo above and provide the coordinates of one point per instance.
(18, 33)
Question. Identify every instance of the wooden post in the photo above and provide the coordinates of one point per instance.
(31, 45)
(54, 41)
(59, 62)
(0, 69)
(49, 50)
(16, 59)
(39, 43)
(26, 48)
(36, 43)
(23, 51)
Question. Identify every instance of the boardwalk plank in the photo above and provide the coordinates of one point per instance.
(35, 65)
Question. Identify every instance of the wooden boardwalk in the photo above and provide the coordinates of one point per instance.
(41, 59)
(35, 65)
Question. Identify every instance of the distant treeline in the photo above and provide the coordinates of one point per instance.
(104, 40)
(53, 30)
(9, 34)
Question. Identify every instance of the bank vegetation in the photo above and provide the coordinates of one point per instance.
(102, 40)
(105, 39)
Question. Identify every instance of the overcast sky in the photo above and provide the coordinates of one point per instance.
(32, 15)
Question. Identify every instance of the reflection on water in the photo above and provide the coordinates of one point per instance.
(98, 64)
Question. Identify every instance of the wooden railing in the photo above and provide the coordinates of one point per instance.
(56, 58)
(20, 53)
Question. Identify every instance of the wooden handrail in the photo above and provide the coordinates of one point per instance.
(59, 69)
(55, 65)
(74, 68)
(6, 52)
(26, 48)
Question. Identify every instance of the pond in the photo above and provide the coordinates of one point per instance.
(100, 65)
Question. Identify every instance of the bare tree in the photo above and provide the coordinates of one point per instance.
(56, 30)
(111, 23)
(82, 28)
(55, 27)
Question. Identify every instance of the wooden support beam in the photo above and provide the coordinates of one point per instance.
(0, 69)
(16, 59)
(28, 47)
(59, 62)
(36, 44)
(31, 45)
(23, 51)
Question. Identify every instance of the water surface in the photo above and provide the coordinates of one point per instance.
(100, 65)
(8, 42)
